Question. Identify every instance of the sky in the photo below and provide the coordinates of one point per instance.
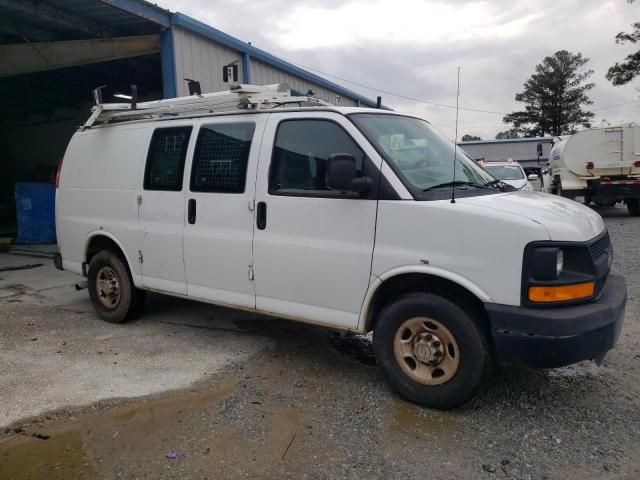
(413, 48)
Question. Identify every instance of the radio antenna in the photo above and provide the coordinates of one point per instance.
(455, 143)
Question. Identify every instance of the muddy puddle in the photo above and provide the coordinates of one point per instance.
(82, 448)
(261, 419)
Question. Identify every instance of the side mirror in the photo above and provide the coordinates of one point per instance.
(342, 175)
(533, 176)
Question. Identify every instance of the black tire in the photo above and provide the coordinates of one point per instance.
(633, 205)
(475, 361)
(129, 301)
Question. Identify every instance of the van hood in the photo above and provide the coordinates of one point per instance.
(564, 219)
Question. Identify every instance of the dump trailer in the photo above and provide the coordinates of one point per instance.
(600, 165)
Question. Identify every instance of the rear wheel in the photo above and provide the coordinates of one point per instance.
(432, 352)
(115, 298)
(633, 205)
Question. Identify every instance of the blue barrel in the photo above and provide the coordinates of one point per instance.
(36, 212)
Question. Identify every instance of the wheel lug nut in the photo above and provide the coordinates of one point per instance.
(436, 344)
(428, 337)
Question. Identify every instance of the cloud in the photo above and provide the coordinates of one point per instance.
(410, 22)
(414, 47)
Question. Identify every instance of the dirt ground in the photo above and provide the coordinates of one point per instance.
(195, 391)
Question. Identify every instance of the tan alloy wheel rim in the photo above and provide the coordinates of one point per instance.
(426, 351)
(108, 287)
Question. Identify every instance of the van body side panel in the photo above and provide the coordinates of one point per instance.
(218, 245)
(98, 191)
(456, 238)
(162, 224)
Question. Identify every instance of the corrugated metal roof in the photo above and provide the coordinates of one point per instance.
(521, 149)
(191, 24)
(101, 18)
(119, 17)
(509, 140)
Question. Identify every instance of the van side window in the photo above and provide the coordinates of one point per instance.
(300, 154)
(221, 156)
(165, 160)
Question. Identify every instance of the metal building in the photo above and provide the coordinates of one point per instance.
(523, 150)
(53, 53)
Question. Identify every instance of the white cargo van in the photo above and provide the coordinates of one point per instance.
(341, 217)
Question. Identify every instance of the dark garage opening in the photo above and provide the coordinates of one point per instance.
(41, 111)
(53, 53)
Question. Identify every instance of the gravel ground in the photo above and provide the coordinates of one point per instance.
(312, 404)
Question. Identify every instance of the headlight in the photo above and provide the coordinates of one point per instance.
(546, 263)
(557, 272)
(559, 262)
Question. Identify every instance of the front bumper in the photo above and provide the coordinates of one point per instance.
(558, 336)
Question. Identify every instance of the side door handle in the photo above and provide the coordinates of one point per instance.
(261, 216)
(191, 211)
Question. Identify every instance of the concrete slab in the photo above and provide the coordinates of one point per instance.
(55, 352)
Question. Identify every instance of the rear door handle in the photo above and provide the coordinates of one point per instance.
(261, 216)
(191, 211)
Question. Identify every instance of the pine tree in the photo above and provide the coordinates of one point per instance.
(622, 73)
(554, 96)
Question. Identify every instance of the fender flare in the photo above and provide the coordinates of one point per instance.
(137, 279)
(378, 280)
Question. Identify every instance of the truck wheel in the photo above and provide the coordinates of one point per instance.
(431, 351)
(633, 205)
(115, 298)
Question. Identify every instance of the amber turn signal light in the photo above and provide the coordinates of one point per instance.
(561, 293)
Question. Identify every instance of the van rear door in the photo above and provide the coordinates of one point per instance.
(219, 210)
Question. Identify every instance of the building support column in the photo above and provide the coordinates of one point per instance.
(246, 68)
(168, 62)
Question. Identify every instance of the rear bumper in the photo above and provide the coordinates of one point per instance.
(626, 189)
(554, 337)
(629, 189)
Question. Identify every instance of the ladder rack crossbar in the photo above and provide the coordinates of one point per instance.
(240, 98)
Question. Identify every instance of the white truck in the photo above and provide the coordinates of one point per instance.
(600, 165)
(340, 217)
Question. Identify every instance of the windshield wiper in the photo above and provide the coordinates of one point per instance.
(492, 183)
(457, 183)
(505, 187)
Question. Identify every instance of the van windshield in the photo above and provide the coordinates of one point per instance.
(419, 153)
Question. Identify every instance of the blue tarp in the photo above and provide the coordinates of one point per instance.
(36, 212)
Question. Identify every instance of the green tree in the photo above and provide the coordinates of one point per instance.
(508, 134)
(624, 72)
(470, 138)
(554, 96)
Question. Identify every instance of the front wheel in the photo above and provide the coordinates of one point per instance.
(114, 297)
(432, 352)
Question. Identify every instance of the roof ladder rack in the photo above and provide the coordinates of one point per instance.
(238, 98)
